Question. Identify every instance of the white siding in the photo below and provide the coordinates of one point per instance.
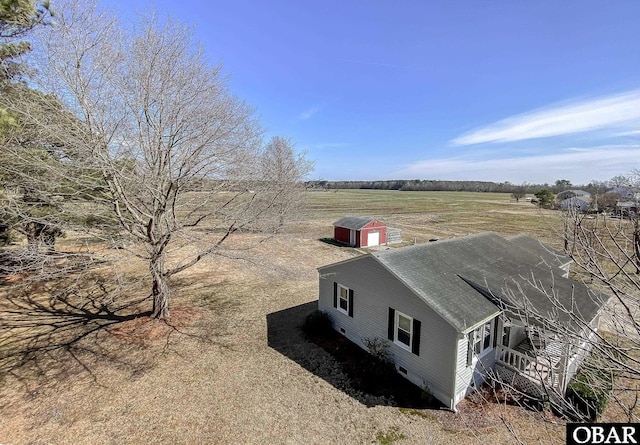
(375, 290)
(468, 377)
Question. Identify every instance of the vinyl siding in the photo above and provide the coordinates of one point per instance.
(470, 376)
(375, 290)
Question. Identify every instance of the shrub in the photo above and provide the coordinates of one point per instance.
(377, 347)
(589, 391)
(588, 397)
(315, 324)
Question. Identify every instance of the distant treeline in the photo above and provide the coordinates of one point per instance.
(433, 185)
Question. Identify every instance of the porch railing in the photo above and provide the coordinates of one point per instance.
(536, 368)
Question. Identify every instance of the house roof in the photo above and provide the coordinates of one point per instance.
(353, 222)
(532, 247)
(470, 279)
(573, 193)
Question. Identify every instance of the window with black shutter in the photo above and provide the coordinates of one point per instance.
(404, 331)
(343, 299)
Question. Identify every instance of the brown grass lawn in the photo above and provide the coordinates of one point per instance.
(231, 366)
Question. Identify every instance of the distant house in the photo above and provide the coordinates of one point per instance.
(629, 193)
(627, 208)
(580, 203)
(454, 310)
(572, 194)
(359, 231)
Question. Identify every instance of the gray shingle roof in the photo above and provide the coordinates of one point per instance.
(532, 247)
(353, 222)
(452, 275)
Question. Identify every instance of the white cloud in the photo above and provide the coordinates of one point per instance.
(307, 114)
(579, 116)
(579, 165)
(629, 133)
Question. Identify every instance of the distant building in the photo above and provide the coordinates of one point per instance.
(581, 203)
(359, 231)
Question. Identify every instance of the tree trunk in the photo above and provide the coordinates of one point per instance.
(636, 245)
(33, 230)
(160, 290)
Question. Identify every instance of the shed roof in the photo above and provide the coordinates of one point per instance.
(353, 222)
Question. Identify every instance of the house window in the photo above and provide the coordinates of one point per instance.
(481, 339)
(343, 299)
(404, 331)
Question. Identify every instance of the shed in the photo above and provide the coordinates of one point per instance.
(359, 231)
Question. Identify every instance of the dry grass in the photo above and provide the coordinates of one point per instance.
(231, 367)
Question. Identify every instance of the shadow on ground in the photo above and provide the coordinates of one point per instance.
(335, 243)
(58, 335)
(341, 363)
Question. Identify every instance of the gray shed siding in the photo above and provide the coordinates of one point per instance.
(375, 290)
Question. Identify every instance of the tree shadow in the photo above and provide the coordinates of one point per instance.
(68, 315)
(333, 358)
(50, 331)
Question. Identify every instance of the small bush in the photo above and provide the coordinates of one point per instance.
(377, 347)
(590, 390)
(315, 324)
(587, 397)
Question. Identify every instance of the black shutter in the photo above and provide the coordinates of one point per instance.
(415, 337)
(495, 332)
(392, 320)
(335, 294)
(469, 348)
(350, 302)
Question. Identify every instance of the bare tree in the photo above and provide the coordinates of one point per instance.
(157, 138)
(605, 256)
(282, 169)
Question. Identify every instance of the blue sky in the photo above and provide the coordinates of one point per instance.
(519, 91)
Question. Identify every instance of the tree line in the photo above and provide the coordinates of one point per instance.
(441, 185)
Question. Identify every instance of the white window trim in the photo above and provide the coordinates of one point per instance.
(397, 326)
(476, 337)
(339, 296)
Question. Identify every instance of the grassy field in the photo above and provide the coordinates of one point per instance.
(425, 215)
(231, 367)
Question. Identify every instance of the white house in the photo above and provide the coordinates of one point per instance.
(453, 310)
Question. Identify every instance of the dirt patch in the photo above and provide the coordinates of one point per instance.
(145, 330)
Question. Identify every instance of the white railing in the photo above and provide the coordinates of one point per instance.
(536, 368)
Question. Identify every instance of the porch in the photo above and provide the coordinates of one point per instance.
(536, 367)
